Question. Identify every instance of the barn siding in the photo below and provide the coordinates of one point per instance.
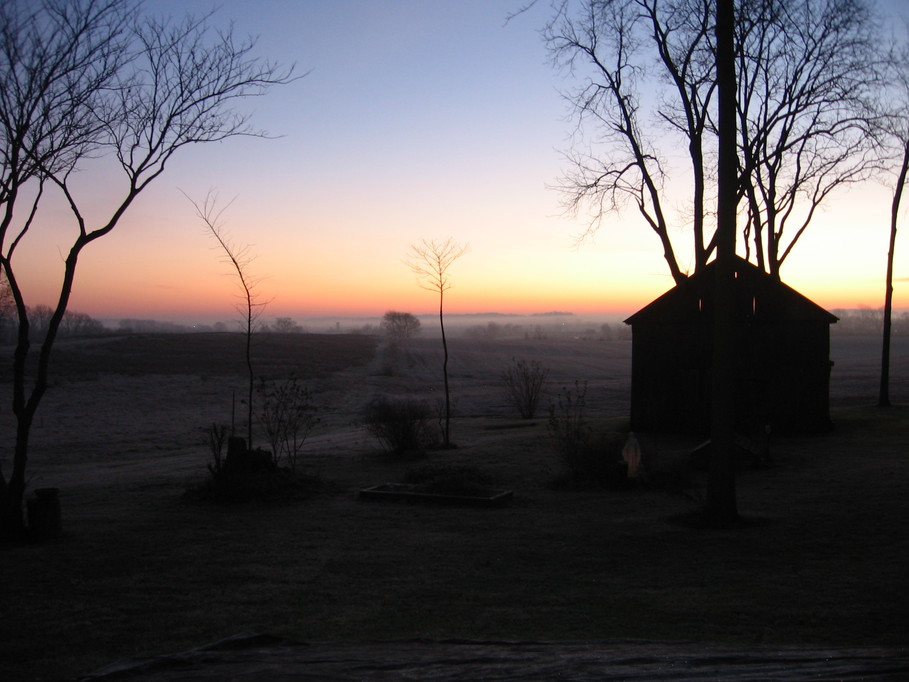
(783, 358)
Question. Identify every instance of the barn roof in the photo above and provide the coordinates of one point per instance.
(759, 297)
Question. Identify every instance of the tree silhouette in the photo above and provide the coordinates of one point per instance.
(95, 79)
(806, 71)
(721, 505)
(238, 259)
(895, 129)
(430, 262)
(398, 325)
(809, 73)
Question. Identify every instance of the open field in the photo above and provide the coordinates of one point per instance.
(140, 571)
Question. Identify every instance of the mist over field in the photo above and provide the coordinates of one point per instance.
(488, 323)
(478, 325)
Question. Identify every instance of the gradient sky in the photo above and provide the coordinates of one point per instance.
(418, 119)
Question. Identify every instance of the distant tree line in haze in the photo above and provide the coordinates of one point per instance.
(868, 321)
(76, 324)
(73, 323)
(541, 332)
(281, 325)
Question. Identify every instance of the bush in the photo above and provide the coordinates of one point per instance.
(402, 425)
(568, 424)
(588, 459)
(217, 438)
(243, 476)
(524, 384)
(286, 418)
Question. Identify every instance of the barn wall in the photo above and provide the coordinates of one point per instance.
(783, 377)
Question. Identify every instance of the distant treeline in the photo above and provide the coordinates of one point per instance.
(868, 321)
(76, 324)
(540, 332)
(73, 324)
(132, 326)
(281, 325)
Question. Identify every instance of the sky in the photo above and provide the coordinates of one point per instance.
(416, 119)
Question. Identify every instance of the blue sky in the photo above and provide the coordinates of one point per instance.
(416, 119)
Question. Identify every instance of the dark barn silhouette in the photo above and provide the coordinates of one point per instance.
(783, 357)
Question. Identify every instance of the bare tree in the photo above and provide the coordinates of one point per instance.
(721, 507)
(430, 262)
(607, 42)
(806, 69)
(286, 325)
(399, 325)
(808, 73)
(895, 133)
(239, 260)
(79, 324)
(84, 79)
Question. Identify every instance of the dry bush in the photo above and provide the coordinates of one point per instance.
(402, 425)
(524, 383)
(286, 417)
(589, 459)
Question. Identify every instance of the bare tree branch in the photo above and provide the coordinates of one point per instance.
(83, 79)
(239, 260)
(807, 71)
(430, 262)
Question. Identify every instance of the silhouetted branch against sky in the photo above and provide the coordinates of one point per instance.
(238, 258)
(894, 149)
(642, 90)
(430, 260)
(100, 84)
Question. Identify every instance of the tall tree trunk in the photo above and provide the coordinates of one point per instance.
(446, 435)
(721, 507)
(25, 403)
(11, 519)
(701, 252)
(12, 494)
(249, 371)
(884, 395)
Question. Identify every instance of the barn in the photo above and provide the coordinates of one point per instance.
(783, 357)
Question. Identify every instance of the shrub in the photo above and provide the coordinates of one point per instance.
(217, 437)
(568, 424)
(588, 459)
(243, 476)
(401, 425)
(524, 382)
(287, 418)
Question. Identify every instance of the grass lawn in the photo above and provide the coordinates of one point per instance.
(140, 570)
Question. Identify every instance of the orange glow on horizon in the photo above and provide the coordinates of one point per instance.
(220, 299)
(330, 206)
